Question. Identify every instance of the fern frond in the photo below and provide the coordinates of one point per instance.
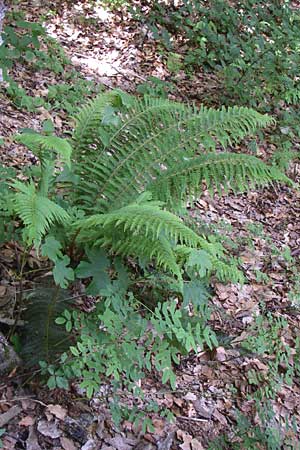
(88, 121)
(37, 212)
(221, 171)
(148, 220)
(40, 145)
(211, 259)
(139, 229)
(159, 250)
(41, 337)
(292, 96)
(154, 135)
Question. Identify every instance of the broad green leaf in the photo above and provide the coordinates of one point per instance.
(51, 249)
(96, 268)
(62, 273)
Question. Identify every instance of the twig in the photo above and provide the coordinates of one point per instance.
(193, 419)
(17, 399)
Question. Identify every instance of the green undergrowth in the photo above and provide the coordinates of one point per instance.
(104, 212)
(252, 49)
(27, 45)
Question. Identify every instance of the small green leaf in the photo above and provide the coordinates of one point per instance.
(67, 314)
(48, 126)
(62, 383)
(89, 391)
(62, 273)
(60, 320)
(51, 383)
(51, 249)
(74, 351)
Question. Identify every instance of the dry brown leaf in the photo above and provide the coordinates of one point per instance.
(190, 397)
(48, 429)
(221, 354)
(58, 411)
(2, 291)
(186, 438)
(67, 444)
(196, 445)
(27, 421)
(32, 440)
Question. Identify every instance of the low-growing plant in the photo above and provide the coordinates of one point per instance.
(266, 339)
(269, 434)
(119, 185)
(27, 43)
(252, 48)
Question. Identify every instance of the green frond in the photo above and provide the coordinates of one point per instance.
(139, 229)
(210, 259)
(148, 220)
(292, 96)
(154, 135)
(40, 145)
(159, 250)
(41, 337)
(227, 271)
(221, 171)
(37, 212)
(89, 121)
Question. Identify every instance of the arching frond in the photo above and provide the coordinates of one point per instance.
(221, 171)
(139, 230)
(37, 212)
(153, 136)
(89, 121)
(40, 145)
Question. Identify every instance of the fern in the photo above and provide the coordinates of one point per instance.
(221, 171)
(155, 137)
(139, 229)
(292, 96)
(41, 145)
(89, 119)
(42, 338)
(37, 212)
(167, 149)
(127, 151)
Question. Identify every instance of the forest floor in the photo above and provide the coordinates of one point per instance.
(114, 51)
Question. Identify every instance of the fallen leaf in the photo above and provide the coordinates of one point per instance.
(186, 438)
(221, 354)
(91, 444)
(203, 409)
(58, 411)
(48, 429)
(121, 443)
(32, 440)
(196, 445)
(67, 444)
(27, 421)
(8, 415)
(190, 397)
(166, 443)
(2, 290)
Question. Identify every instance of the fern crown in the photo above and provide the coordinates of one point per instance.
(133, 158)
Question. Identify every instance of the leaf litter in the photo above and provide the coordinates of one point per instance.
(262, 224)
